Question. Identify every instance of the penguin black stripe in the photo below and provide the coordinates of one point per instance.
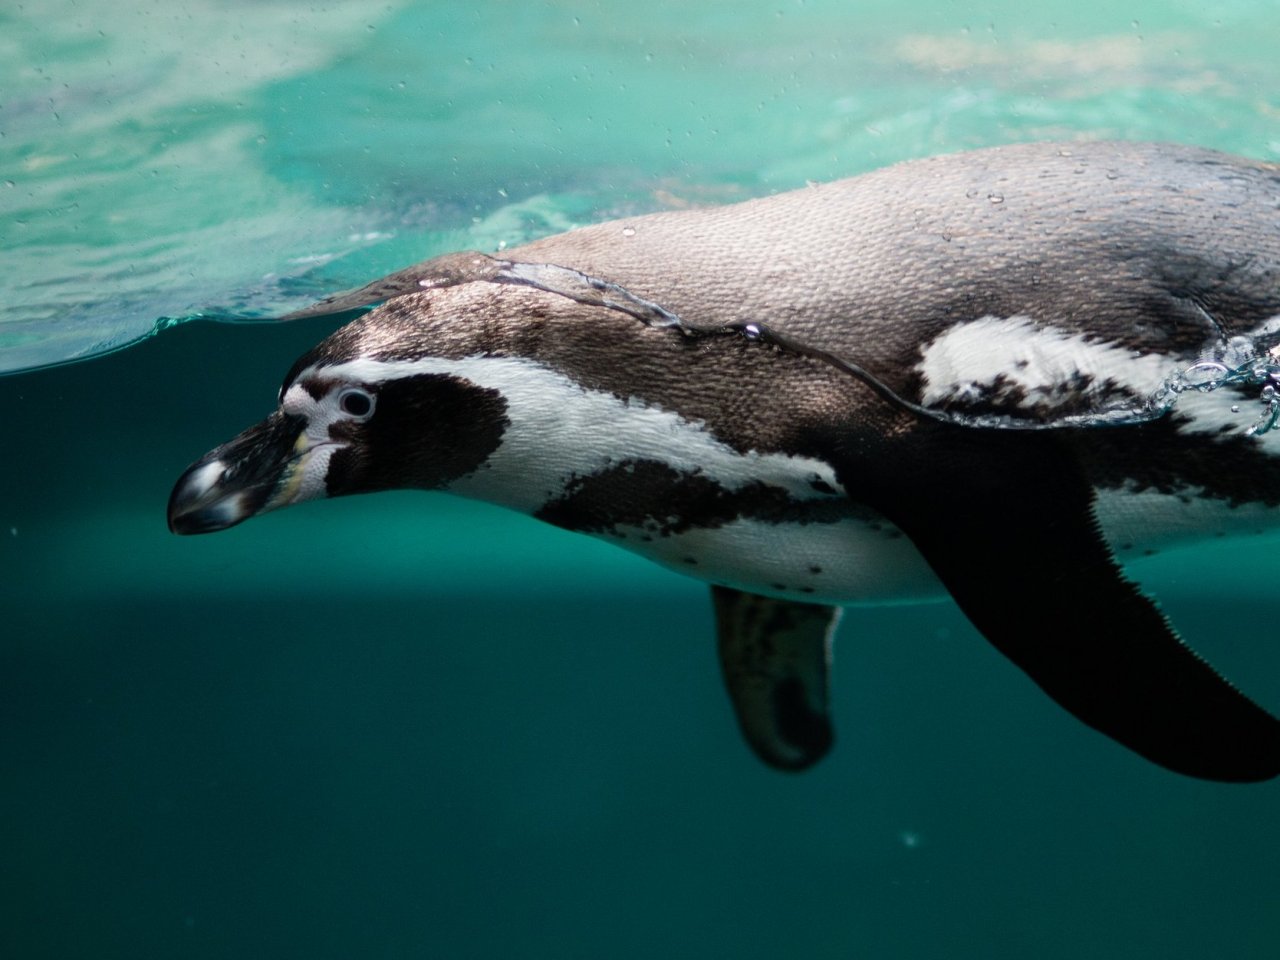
(980, 374)
(670, 503)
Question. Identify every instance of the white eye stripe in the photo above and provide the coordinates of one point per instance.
(587, 430)
(350, 400)
(299, 402)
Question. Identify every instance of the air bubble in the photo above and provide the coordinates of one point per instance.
(1245, 369)
(1206, 374)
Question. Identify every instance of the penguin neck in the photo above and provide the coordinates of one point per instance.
(559, 434)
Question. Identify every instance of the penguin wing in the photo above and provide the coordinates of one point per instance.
(775, 656)
(1006, 522)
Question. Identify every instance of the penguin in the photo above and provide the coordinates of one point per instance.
(998, 375)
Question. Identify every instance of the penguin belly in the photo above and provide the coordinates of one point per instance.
(864, 560)
(847, 562)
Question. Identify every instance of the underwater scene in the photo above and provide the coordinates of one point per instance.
(416, 725)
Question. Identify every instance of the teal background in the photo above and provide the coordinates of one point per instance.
(410, 726)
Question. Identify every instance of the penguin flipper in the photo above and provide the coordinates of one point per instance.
(775, 656)
(1011, 533)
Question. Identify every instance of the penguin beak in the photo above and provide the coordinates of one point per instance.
(257, 471)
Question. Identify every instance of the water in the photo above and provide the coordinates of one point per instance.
(407, 726)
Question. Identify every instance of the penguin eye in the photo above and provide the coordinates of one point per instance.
(356, 402)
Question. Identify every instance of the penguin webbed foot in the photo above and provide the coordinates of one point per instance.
(775, 655)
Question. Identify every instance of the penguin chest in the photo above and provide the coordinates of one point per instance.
(771, 525)
(632, 471)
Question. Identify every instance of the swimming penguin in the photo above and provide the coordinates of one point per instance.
(999, 375)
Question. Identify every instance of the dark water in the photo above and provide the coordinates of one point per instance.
(409, 726)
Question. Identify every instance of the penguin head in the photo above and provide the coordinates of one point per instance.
(376, 406)
(497, 391)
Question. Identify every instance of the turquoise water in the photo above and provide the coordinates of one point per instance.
(407, 726)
